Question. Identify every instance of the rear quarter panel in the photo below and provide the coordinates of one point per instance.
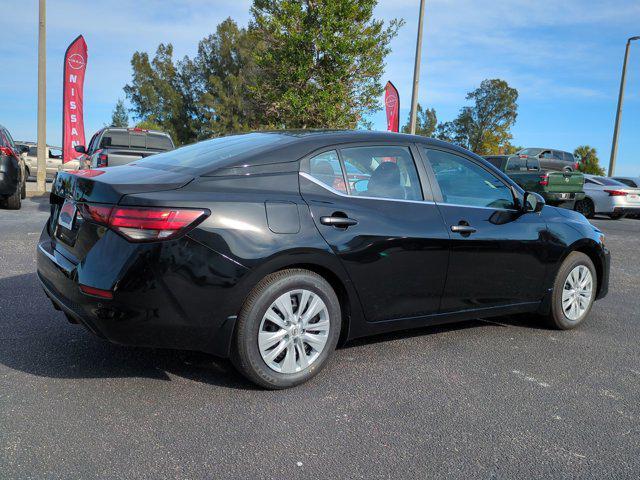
(240, 230)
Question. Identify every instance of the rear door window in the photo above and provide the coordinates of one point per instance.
(326, 169)
(382, 172)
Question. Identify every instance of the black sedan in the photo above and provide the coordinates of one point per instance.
(271, 248)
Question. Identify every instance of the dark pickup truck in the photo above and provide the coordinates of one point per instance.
(112, 146)
(561, 189)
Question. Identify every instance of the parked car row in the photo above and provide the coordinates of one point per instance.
(607, 196)
(53, 159)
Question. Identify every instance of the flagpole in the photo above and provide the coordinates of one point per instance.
(416, 71)
(42, 98)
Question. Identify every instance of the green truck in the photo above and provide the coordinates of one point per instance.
(561, 189)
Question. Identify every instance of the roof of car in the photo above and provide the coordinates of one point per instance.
(134, 129)
(316, 139)
(299, 143)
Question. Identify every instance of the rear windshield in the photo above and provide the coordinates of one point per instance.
(138, 140)
(208, 154)
(610, 182)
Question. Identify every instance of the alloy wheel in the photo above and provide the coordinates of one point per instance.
(577, 292)
(294, 331)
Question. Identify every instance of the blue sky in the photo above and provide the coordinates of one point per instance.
(564, 57)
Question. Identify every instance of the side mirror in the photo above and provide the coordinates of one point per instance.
(533, 202)
(80, 149)
(24, 148)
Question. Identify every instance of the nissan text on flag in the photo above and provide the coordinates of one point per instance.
(75, 64)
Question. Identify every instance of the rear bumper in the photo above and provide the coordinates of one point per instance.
(564, 200)
(152, 306)
(627, 210)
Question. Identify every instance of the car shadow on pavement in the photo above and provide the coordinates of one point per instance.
(37, 339)
(41, 200)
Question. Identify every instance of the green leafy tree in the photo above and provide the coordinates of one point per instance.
(319, 63)
(484, 127)
(159, 93)
(589, 161)
(148, 125)
(426, 122)
(224, 70)
(119, 117)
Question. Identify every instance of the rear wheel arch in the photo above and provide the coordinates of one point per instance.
(339, 287)
(323, 263)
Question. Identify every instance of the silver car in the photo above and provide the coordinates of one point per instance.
(53, 158)
(607, 196)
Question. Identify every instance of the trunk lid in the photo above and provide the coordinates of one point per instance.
(633, 197)
(70, 234)
(564, 182)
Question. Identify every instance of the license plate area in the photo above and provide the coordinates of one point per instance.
(66, 226)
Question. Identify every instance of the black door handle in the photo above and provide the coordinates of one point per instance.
(463, 229)
(341, 222)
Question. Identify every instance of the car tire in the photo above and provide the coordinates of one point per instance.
(585, 207)
(576, 269)
(616, 216)
(23, 189)
(250, 355)
(13, 202)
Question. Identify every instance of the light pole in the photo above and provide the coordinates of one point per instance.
(416, 72)
(616, 128)
(42, 97)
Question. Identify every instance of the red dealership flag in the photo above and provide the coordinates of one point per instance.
(392, 105)
(75, 64)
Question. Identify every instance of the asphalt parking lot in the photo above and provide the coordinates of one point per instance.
(497, 398)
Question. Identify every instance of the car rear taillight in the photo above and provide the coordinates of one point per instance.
(6, 151)
(144, 224)
(103, 160)
(617, 193)
(576, 166)
(96, 292)
(544, 180)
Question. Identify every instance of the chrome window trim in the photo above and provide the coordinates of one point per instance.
(336, 192)
(427, 202)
